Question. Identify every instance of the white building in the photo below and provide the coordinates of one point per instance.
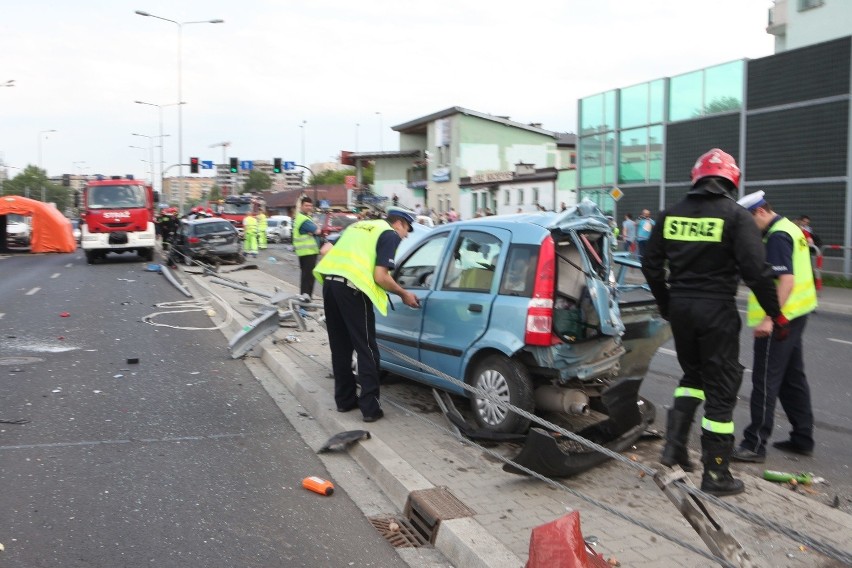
(799, 23)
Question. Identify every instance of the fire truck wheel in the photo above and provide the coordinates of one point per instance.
(90, 256)
(147, 254)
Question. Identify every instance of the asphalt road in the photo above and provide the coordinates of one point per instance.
(828, 348)
(181, 459)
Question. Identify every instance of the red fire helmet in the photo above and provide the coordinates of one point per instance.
(719, 164)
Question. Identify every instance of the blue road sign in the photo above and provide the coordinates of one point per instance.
(289, 165)
(246, 165)
(206, 164)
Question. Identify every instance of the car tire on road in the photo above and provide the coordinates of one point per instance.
(509, 381)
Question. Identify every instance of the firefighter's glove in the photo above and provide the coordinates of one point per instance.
(780, 327)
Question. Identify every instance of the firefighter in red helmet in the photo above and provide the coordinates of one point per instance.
(708, 242)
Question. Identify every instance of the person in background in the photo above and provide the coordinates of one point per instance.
(644, 226)
(628, 231)
(261, 228)
(356, 278)
(250, 234)
(778, 371)
(305, 243)
(693, 263)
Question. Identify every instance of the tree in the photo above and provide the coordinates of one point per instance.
(215, 193)
(721, 104)
(338, 177)
(31, 181)
(257, 181)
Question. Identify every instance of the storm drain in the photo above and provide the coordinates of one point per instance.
(398, 532)
(426, 508)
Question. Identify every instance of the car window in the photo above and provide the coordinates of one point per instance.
(519, 271)
(272, 223)
(473, 262)
(210, 228)
(419, 269)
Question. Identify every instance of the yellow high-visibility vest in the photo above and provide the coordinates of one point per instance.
(803, 299)
(354, 258)
(304, 245)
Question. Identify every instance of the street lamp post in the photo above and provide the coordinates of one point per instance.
(162, 159)
(180, 90)
(40, 135)
(150, 163)
(381, 146)
(9, 83)
(356, 136)
(302, 128)
(151, 142)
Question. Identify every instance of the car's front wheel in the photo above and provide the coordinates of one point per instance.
(508, 381)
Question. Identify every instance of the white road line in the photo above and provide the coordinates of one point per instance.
(55, 275)
(667, 351)
(33, 291)
(840, 341)
(1, 315)
(69, 265)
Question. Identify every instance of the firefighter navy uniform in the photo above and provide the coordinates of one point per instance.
(707, 241)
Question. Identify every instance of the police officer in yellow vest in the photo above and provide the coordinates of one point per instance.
(356, 277)
(697, 250)
(305, 233)
(779, 369)
(250, 234)
(261, 229)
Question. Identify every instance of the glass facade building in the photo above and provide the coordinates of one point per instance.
(785, 118)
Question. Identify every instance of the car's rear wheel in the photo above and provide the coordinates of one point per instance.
(508, 381)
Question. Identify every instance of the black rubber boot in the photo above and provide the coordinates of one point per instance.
(679, 422)
(717, 479)
(677, 437)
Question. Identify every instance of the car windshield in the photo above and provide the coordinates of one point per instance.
(272, 223)
(236, 208)
(210, 228)
(341, 222)
(116, 196)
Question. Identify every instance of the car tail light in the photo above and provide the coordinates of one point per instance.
(193, 240)
(539, 327)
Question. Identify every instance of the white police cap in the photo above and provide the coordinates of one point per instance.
(753, 200)
(402, 212)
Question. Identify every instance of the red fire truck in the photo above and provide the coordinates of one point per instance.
(117, 216)
(234, 208)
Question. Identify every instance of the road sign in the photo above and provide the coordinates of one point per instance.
(206, 164)
(246, 165)
(289, 165)
(616, 193)
(351, 182)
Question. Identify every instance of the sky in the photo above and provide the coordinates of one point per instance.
(305, 79)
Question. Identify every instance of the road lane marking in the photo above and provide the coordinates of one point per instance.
(1, 315)
(143, 440)
(55, 275)
(667, 351)
(33, 291)
(69, 265)
(840, 341)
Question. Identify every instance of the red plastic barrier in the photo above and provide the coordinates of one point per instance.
(560, 544)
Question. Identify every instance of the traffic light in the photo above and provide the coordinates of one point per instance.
(235, 165)
(276, 165)
(193, 165)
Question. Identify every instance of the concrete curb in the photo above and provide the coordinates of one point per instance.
(462, 541)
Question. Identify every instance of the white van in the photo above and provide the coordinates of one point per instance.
(279, 228)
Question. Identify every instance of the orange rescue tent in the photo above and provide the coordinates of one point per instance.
(51, 230)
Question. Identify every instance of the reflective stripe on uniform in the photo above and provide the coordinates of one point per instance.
(708, 229)
(686, 391)
(717, 427)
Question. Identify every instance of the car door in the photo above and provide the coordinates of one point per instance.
(400, 330)
(459, 309)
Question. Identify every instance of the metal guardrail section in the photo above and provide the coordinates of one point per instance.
(253, 333)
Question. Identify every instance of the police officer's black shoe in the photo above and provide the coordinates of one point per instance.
(741, 454)
(380, 414)
(789, 446)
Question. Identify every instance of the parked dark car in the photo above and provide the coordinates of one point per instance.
(209, 239)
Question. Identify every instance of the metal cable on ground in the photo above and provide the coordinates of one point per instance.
(814, 544)
(558, 485)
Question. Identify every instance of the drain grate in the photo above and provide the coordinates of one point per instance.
(426, 508)
(403, 535)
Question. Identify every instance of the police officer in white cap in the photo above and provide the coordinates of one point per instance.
(779, 369)
(707, 241)
(356, 276)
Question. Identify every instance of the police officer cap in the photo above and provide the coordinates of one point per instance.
(753, 200)
(402, 213)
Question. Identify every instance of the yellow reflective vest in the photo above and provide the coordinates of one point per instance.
(250, 225)
(306, 244)
(261, 222)
(354, 258)
(803, 299)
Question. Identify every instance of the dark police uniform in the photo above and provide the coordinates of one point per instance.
(707, 241)
(779, 367)
(349, 294)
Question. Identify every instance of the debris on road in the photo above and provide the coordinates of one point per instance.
(318, 485)
(343, 440)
